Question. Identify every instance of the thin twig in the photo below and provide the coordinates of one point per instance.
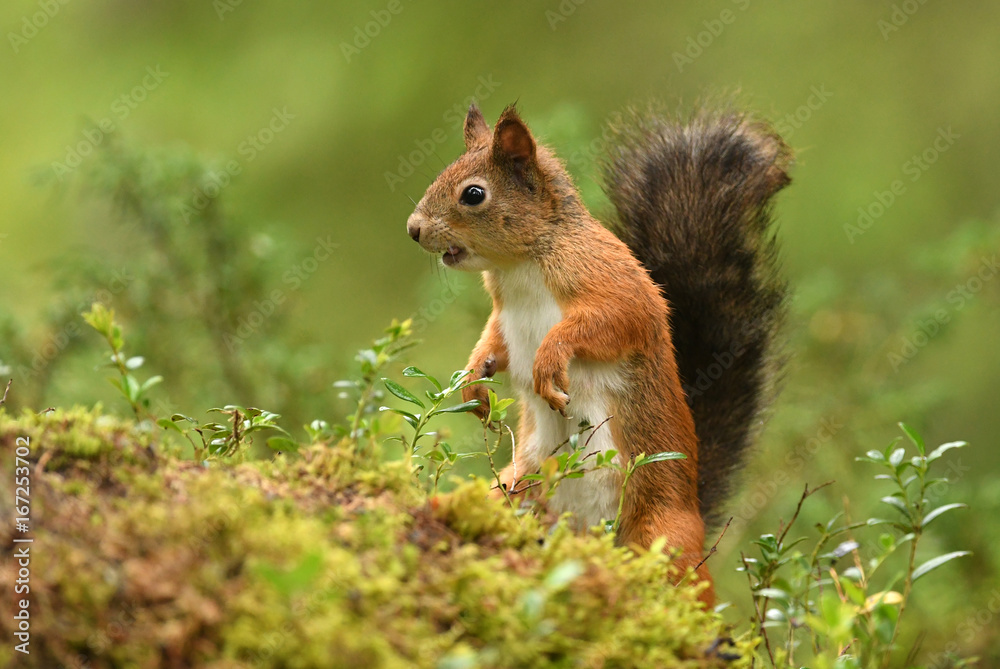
(712, 550)
(527, 487)
(596, 428)
(3, 400)
(715, 546)
(593, 430)
(513, 449)
(805, 493)
(493, 468)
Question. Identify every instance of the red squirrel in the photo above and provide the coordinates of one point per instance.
(667, 331)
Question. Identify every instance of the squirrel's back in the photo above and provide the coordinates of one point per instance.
(693, 205)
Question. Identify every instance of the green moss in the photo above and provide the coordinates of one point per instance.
(325, 560)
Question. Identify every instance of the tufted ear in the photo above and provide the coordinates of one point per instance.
(477, 133)
(513, 144)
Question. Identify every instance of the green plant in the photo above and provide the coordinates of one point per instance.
(847, 618)
(572, 463)
(629, 469)
(216, 438)
(224, 439)
(384, 350)
(439, 454)
(205, 292)
(102, 320)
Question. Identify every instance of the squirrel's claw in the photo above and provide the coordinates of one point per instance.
(556, 399)
(551, 379)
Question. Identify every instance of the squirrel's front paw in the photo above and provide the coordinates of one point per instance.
(552, 381)
(484, 370)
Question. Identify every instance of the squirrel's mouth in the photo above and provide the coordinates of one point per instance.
(454, 255)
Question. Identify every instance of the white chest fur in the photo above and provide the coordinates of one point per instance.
(529, 311)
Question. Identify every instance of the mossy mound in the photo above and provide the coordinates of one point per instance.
(144, 559)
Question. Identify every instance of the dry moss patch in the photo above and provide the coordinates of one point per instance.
(144, 559)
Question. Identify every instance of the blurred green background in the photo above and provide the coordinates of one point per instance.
(889, 231)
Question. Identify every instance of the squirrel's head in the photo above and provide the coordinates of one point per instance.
(491, 207)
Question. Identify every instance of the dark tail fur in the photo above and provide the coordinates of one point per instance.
(693, 204)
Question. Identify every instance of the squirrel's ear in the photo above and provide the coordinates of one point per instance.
(512, 141)
(477, 132)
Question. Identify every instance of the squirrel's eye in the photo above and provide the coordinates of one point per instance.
(473, 195)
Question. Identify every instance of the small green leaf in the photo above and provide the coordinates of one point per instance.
(407, 416)
(934, 563)
(282, 444)
(898, 504)
(845, 547)
(150, 382)
(772, 593)
(940, 510)
(479, 382)
(169, 425)
(503, 404)
(940, 450)
(131, 388)
(458, 408)
(914, 437)
(456, 378)
(402, 393)
(897, 457)
(660, 457)
(872, 522)
(414, 372)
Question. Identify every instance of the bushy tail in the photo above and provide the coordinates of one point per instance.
(693, 204)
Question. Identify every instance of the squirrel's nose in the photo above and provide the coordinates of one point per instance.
(413, 228)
